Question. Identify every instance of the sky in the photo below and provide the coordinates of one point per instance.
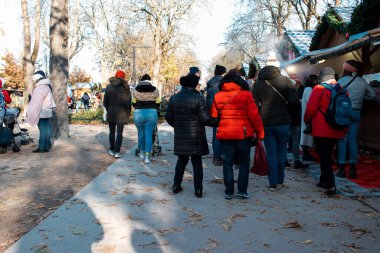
(208, 32)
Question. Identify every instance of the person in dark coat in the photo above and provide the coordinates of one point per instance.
(86, 101)
(117, 101)
(276, 98)
(187, 113)
(211, 90)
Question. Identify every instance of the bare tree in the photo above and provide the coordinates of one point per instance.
(59, 65)
(163, 19)
(306, 10)
(29, 57)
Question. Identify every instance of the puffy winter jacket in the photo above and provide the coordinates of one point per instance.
(274, 110)
(239, 116)
(42, 102)
(117, 101)
(146, 96)
(319, 102)
(187, 113)
(212, 89)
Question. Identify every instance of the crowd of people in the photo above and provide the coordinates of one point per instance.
(263, 106)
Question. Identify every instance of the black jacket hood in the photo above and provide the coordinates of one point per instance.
(269, 72)
(116, 81)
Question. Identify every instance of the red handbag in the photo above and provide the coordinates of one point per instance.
(260, 164)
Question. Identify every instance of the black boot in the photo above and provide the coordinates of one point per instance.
(353, 171)
(176, 189)
(341, 173)
(198, 193)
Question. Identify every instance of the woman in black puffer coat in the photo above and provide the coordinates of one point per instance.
(117, 101)
(187, 113)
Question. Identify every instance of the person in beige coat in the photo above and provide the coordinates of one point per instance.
(40, 110)
(146, 100)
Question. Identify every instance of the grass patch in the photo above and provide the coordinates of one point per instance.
(87, 117)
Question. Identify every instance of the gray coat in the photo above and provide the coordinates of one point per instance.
(117, 101)
(357, 90)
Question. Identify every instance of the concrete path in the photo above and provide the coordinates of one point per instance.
(130, 208)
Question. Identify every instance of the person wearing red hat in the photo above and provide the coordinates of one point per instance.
(7, 98)
(117, 101)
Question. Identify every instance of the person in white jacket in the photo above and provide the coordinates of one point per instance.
(40, 110)
(307, 141)
(357, 89)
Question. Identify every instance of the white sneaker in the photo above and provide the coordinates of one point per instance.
(147, 158)
(142, 156)
(118, 155)
(111, 152)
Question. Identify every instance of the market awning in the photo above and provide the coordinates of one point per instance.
(354, 43)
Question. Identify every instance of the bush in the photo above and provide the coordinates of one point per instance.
(87, 117)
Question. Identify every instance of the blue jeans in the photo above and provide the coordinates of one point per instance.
(216, 145)
(236, 150)
(275, 140)
(145, 121)
(118, 129)
(45, 133)
(350, 141)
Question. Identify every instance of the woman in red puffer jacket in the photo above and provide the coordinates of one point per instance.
(239, 122)
(324, 135)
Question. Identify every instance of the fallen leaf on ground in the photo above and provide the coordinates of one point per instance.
(226, 226)
(137, 203)
(162, 201)
(78, 231)
(149, 189)
(42, 248)
(217, 180)
(329, 224)
(293, 224)
(307, 242)
(163, 232)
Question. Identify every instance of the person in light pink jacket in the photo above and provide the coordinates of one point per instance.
(40, 110)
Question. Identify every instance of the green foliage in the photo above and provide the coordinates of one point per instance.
(87, 117)
(328, 19)
(365, 17)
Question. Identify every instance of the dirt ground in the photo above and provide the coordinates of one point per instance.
(33, 185)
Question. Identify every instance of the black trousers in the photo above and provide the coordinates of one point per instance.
(325, 149)
(196, 160)
(115, 146)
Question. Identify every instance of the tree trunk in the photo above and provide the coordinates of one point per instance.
(27, 55)
(157, 63)
(59, 65)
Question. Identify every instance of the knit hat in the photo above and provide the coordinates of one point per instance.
(326, 73)
(272, 60)
(190, 80)
(38, 75)
(219, 70)
(146, 77)
(194, 70)
(120, 74)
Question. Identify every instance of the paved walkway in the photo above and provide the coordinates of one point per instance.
(130, 208)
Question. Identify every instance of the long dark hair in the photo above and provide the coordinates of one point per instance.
(310, 81)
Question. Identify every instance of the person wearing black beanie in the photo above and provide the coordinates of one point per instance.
(187, 113)
(211, 90)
